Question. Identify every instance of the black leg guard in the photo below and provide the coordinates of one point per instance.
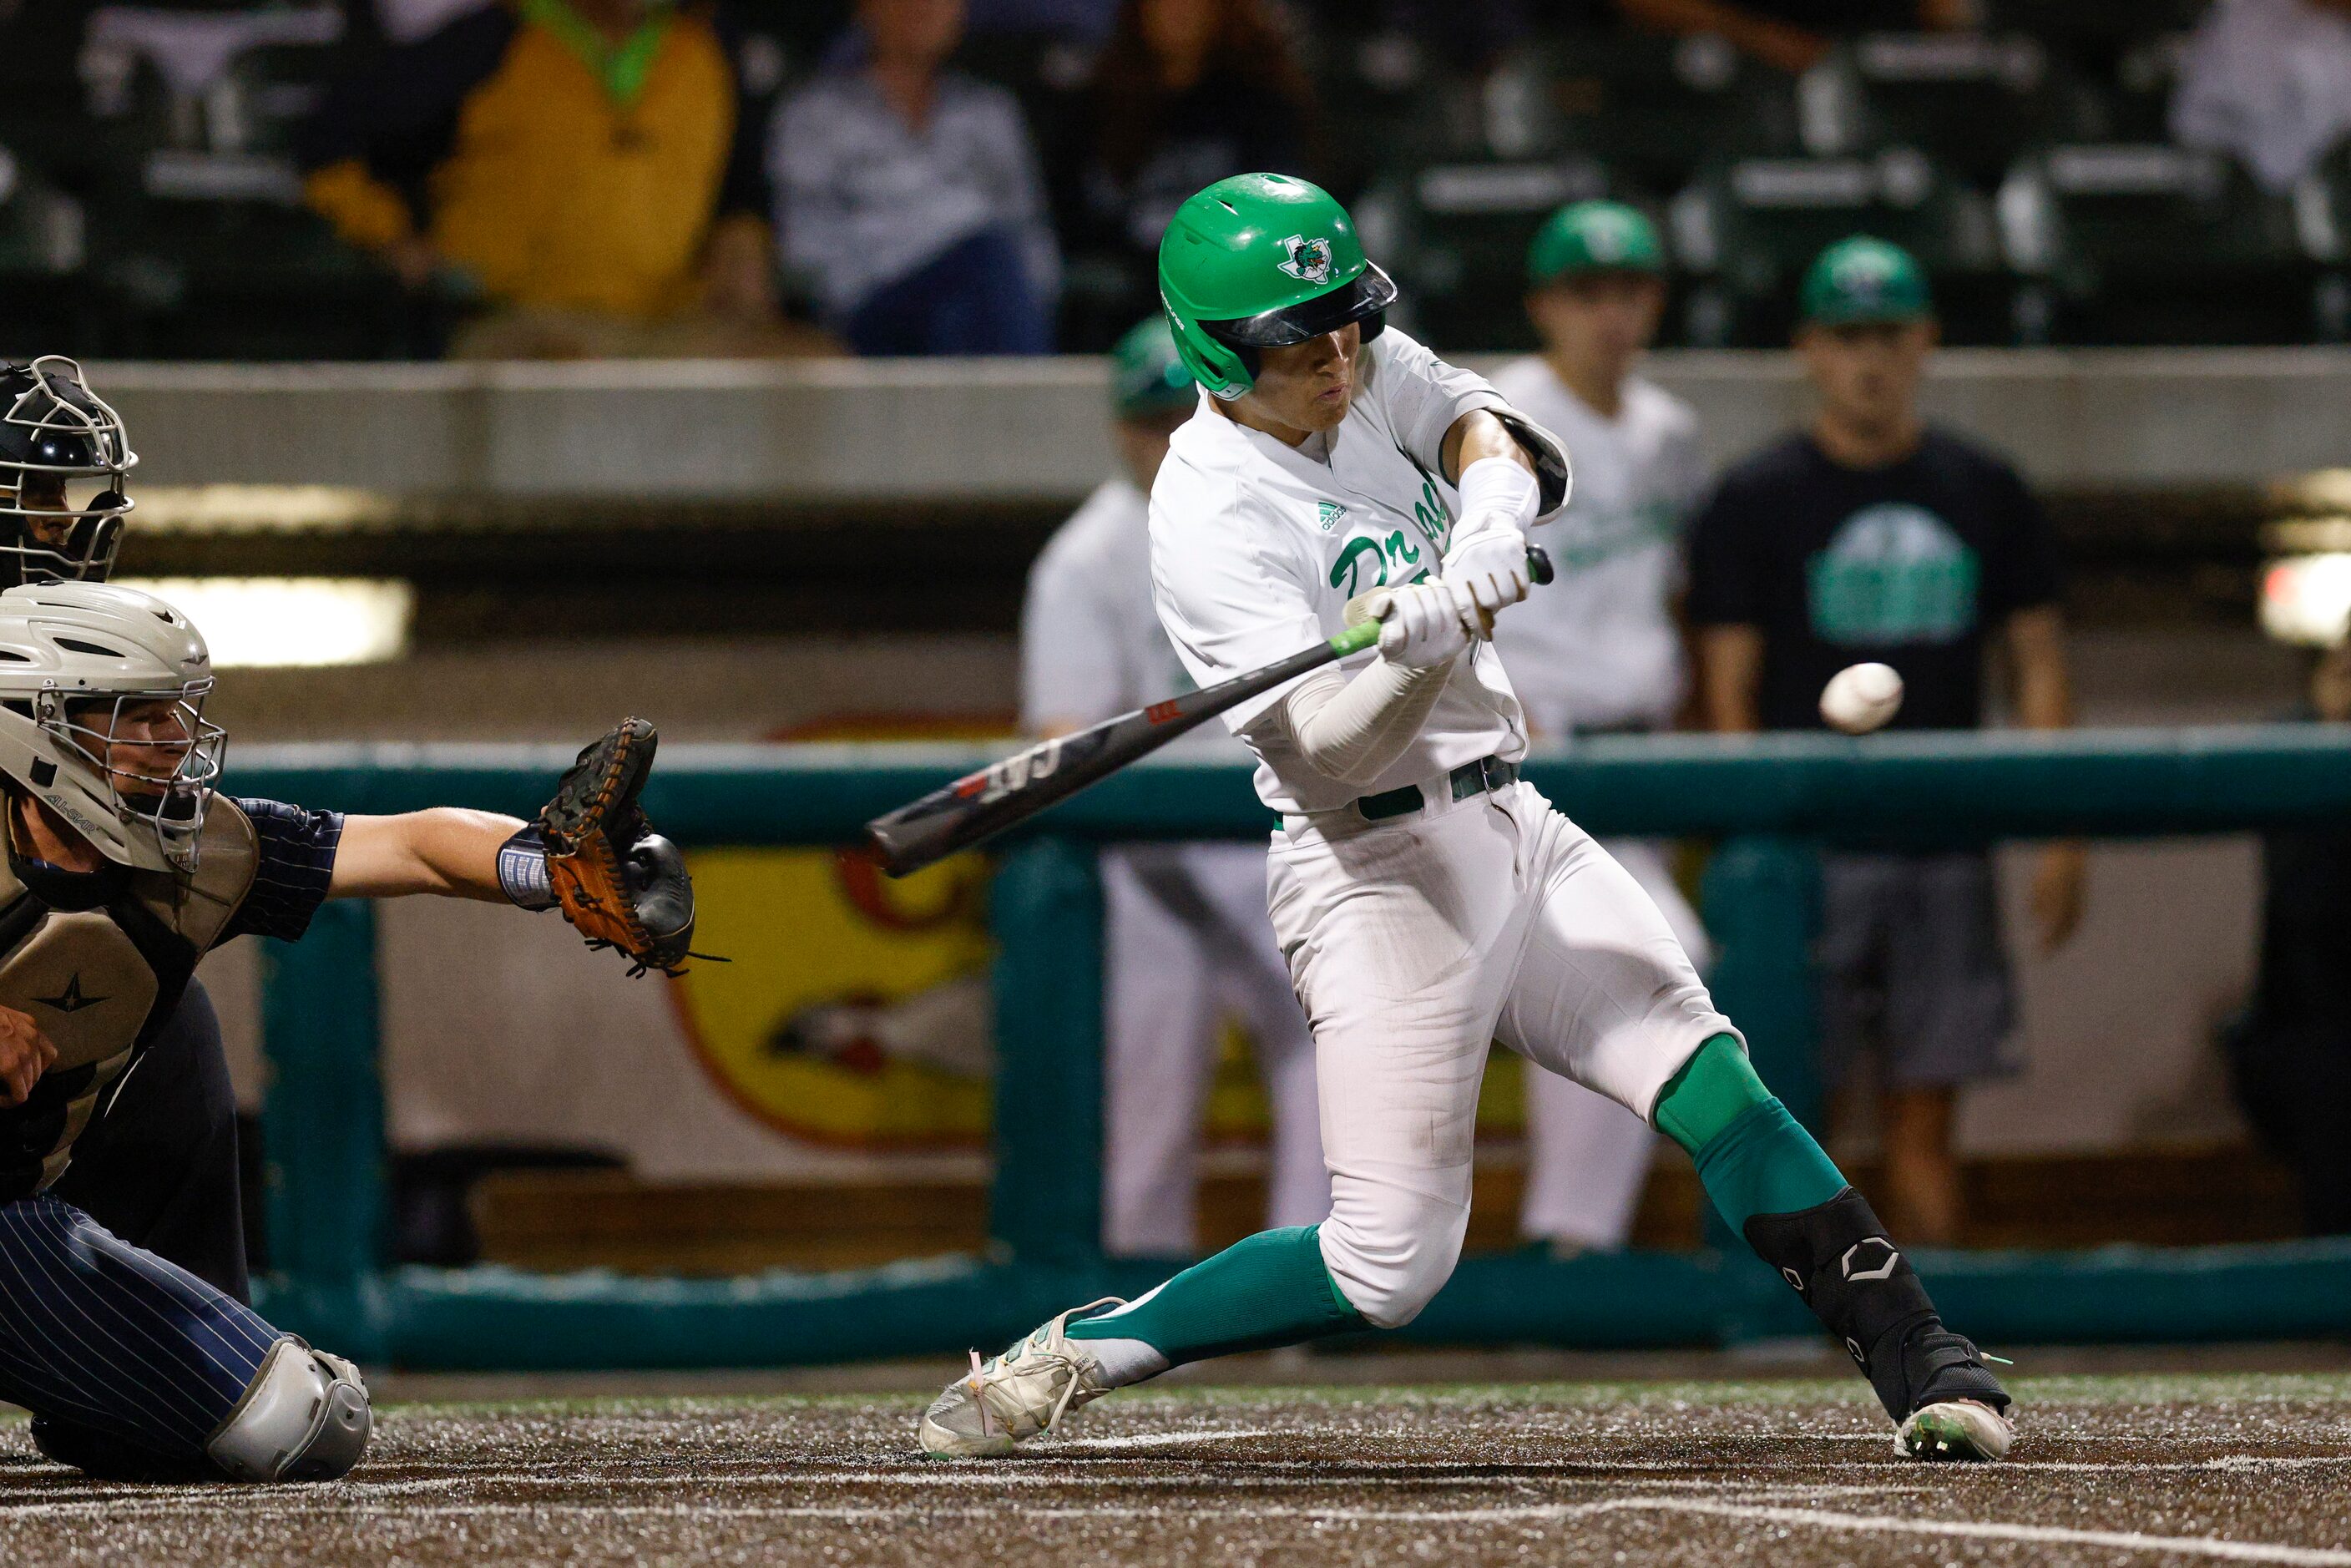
(1866, 1293)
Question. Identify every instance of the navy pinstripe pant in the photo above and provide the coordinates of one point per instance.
(95, 1331)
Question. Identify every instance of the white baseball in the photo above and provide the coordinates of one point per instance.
(1861, 698)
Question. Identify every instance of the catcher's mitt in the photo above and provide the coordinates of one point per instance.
(620, 884)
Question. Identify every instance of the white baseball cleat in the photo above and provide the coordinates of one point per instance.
(1015, 1396)
(1955, 1429)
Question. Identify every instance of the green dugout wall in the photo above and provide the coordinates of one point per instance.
(1769, 799)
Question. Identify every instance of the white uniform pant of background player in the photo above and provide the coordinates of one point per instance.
(1588, 1157)
(1416, 943)
(1188, 945)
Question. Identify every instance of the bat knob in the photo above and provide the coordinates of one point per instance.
(1538, 565)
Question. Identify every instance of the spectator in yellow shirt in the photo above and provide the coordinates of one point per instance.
(579, 162)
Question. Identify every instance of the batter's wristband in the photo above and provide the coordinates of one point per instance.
(522, 871)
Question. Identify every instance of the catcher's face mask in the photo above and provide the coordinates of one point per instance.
(156, 752)
(64, 458)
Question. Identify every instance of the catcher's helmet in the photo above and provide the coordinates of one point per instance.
(1259, 261)
(101, 717)
(64, 456)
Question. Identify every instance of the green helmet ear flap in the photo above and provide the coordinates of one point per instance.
(1226, 370)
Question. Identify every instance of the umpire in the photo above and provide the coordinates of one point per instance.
(1873, 536)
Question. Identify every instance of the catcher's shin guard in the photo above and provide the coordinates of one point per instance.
(305, 1417)
(1864, 1292)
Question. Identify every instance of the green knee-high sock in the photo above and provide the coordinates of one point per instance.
(1752, 1156)
(1263, 1290)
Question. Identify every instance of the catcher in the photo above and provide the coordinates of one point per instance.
(123, 866)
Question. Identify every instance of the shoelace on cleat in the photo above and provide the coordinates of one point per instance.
(978, 1393)
(1036, 1342)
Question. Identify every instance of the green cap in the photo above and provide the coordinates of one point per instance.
(1258, 261)
(1594, 236)
(1146, 375)
(1863, 280)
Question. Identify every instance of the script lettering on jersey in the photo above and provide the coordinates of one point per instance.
(1395, 555)
(1428, 513)
(1016, 771)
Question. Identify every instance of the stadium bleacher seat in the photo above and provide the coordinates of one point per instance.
(2147, 243)
(1972, 101)
(199, 237)
(1455, 235)
(1747, 228)
(1652, 108)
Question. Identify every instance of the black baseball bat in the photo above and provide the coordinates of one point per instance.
(980, 805)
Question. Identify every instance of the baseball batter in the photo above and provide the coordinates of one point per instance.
(1186, 924)
(1428, 901)
(1599, 652)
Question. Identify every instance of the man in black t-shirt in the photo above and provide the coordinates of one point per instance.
(1872, 537)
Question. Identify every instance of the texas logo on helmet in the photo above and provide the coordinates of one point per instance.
(1310, 259)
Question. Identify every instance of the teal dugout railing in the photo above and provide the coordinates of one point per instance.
(1769, 801)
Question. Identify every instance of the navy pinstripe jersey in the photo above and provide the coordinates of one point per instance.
(294, 859)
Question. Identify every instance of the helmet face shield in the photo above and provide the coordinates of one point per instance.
(1371, 292)
(64, 461)
(156, 753)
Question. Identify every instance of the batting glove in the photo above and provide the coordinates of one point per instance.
(1488, 560)
(1487, 574)
(1424, 626)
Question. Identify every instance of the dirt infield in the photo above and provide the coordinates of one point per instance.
(2245, 1468)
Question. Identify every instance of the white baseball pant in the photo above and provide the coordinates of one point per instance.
(1588, 1157)
(1188, 942)
(1416, 942)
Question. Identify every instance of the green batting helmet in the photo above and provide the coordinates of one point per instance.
(1259, 261)
(1146, 375)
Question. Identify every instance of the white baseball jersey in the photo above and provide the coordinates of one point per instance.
(1599, 648)
(1256, 548)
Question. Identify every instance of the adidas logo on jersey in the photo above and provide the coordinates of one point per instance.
(1327, 515)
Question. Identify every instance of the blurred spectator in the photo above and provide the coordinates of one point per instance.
(2290, 1051)
(1875, 537)
(1185, 934)
(576, 162)
(1792, 34)
(909, 195)
(2269, 83)
(1599, 650)
(1187, 92)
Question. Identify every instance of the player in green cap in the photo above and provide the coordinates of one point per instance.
(1185, 936)
(1599, 650)
(1873, 536)
(1867, 282)
(1427, 900)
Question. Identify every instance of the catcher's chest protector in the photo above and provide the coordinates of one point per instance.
(101, 982)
